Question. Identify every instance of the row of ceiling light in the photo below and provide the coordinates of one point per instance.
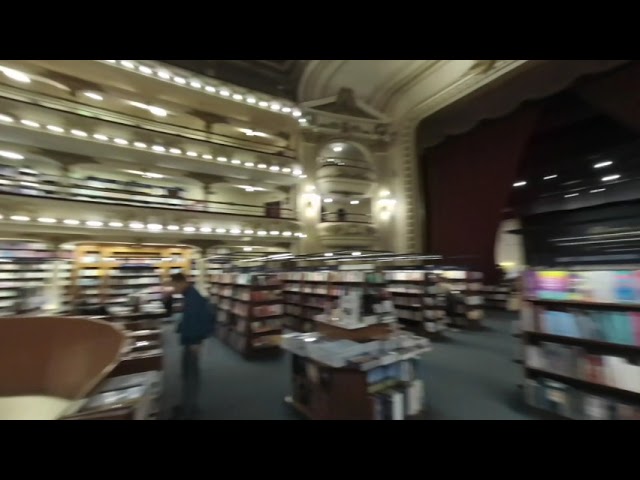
(156, 227)
(160, 149)
(606, 178)
(165, 73)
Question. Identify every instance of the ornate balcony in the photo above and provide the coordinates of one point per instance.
(343, 170)
(347, 231)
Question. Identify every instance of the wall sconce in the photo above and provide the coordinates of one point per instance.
(311, 203)
(385, 208)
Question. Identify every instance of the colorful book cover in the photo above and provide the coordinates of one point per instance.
(552, 285)
(625, 288)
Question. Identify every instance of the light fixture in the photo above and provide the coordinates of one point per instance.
(47, 220)
(354, 202)
(568, 195)
(71, 221)
(192, 154)
(221, 159)
(236, 162)
(249, 164)
(303, 176)
(597, 190)
(275, 106)
(189, 229)
(251, 100)
(15, 75)
(19, 218)
(286, 170)
(221, 230)
(356, 254)
(116, 224)
(549, 177)
(136, 225)
(157, 111)
(262, 165)
(55, 128)
(211, 89)
(30, 123)
(173, 228)
(179, 80)
(93, 96)
(99, 136)
(248, 232)
(609, 178)
(235, 231)
(154, 226)
(79, 133)
(274, 168)
(328, 254)
(121, 141)
(158, 148)
(302, 120)
(175, 151)
(274, 232)
(520, 184)
(144, 69)
(263, 104)
(205, 230)
(5, 118)
(328, 200)
(286, 234)
(247, 249)
(165, 75)
(337, 148)
(127, 63)
(11, 155)
(603, 164)
(286, 110)
(195, 84)
(225, 93)
(297, 172)
(93, 223)
(237, 96)
(296, 113)
(262, 232)
(140, 144)
(206, 156)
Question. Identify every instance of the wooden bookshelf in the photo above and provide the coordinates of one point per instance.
(249, 310)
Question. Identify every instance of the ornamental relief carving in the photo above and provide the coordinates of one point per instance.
(346, 230)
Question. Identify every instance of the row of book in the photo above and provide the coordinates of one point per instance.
(575, 362)
(562, 399)
(399, 402)
(605, 326)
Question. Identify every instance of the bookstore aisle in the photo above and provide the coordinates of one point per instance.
(471, 376)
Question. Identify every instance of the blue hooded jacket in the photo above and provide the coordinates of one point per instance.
(198, 318)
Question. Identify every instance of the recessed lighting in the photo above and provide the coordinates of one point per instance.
(262, 165)
(249, 164)
(99, 136)
(235, 231)
(47, 220)
(249, 232)
(29, 123)
(328, 200)
(296, 113)
(126, 63)
(247, 249)
(354, 202)
(286, 234)
(302, 120)
(251, 100)
(303, 176)
(116, 224)
(571, 195)
(176, 151)
(274, 232)
(19, 218)
(275, 106)
(192, 154)
(235, 162)
(93, 96)
(15, 75)
(221, 159)
(146, 70)
(154, 226)
(205, 230)
(179, 80)
(189, 229)
(79, 133)
(549, 177)
(603, 164)
(11, 155)
(337, 148)
(520, 184)
(274, 168)
(225, 93)
(173, 228)
(221, 230)
(5, 118)
(328, 254)
(237, 96)
(211, 89)
(356, 254)
(93, 223)
(158, 148)
(262, 232)
(54, 128)
(206, 156)
(263, 104)
(286, 110)
(297, 171)
(286, 170)
(121, 141)
(158, 112)
(140, 145)
(163, 74)
(71, 221)
(610, 178)
(597, 190)
(136, 225)
(195, 84)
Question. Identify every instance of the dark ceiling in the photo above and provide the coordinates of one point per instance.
(274, 77)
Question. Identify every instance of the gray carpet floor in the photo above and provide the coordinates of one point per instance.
(468, 376)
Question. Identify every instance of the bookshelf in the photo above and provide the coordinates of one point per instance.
(469, 285)
(580, 351)
(249, 310)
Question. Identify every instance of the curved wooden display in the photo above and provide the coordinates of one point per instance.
(61, 358)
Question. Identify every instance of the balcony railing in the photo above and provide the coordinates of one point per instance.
(60, 188)
(340, 217)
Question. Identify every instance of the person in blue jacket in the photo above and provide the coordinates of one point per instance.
(197, 324)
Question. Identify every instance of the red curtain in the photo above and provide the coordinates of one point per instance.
(468, 181)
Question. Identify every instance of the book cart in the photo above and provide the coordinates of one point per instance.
(580, 331)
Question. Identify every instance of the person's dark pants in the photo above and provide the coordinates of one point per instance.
(190, 382)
